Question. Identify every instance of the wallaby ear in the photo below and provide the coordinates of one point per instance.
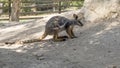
(75, 16)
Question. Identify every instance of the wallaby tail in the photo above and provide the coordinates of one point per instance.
(23, 42)
(9, 42)
(31, 41)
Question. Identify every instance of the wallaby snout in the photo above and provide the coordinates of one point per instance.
(80, 23)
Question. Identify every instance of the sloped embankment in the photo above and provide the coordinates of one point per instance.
(97, 46)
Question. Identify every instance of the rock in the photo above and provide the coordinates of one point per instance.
(100, 9)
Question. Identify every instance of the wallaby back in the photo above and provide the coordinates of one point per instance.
(59, 23)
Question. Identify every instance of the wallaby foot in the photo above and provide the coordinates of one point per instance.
(63, 37)
(59, 40)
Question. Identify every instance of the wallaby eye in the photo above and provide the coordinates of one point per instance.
(76, 17)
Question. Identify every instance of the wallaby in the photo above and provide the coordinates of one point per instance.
(55, 25)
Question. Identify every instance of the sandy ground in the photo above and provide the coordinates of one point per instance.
(97, 46)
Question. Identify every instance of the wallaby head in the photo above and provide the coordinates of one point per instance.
(77, 21)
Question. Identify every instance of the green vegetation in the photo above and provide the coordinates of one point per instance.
(26, 3)
(5, 5)
(78, 3)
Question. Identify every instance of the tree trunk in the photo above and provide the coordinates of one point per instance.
(15, 10)
(100, 9)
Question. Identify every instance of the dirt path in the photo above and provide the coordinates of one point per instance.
(97, 46)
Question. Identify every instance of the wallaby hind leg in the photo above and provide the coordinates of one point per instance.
(56, 38)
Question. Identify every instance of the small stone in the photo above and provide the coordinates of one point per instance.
(74, 49)
(109, 51)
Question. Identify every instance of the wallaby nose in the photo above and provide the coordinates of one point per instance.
(81, 24)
